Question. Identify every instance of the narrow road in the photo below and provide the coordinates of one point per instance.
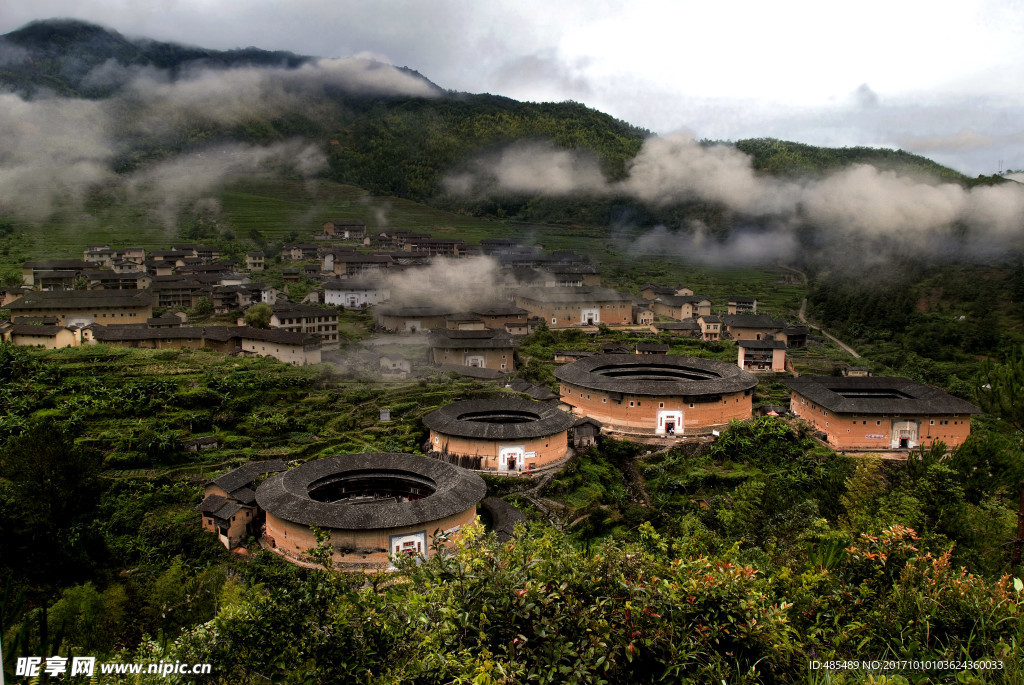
(803, 317)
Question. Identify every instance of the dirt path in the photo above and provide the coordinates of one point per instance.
(803, 317)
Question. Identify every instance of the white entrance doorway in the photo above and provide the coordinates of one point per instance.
(411, 545)
(475, 360)
(669, 422)
(904, 435)
(590, 316)
(511, 458)
(413, 327)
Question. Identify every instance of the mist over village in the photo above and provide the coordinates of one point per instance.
(481, 347)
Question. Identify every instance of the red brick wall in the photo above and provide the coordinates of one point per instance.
(493, 358)
(549, 449)
(371, 546)
(643, 415)
(570, 314)
(848, 431)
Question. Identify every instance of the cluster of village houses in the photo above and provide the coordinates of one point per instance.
(109, 296)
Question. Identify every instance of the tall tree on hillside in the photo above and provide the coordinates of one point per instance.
(1001, 393)
(49, 489)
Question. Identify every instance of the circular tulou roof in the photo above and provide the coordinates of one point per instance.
(509, 418)
(286, 495)
(656, 375)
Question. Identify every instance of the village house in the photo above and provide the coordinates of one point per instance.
(53, 274)
(464, 322)
(444, 247)
(517, 329)
(486, 349)
(651, 348)
(875, 413)
(681, 307)
(178, 290)
(688, 328)
(742, 305)
(345, 264)
(710, 327)
(394, 367)
(651, 291)
(491, 246)
(563, 308)
(33, 335)
(642, 315)
(298, 253)
(757, 356)
(355, 293)
(346, 230)
(82, 307)
(297, 349)
(793, 335)
(300, 318)
(572, 276)
(229, 506)
(399, 319)
(752, 326)
(111, 280)
(254, 261)
(497, 316)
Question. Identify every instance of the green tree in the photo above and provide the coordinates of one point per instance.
(203, 308)
(1001, 393)
(49, 488)
(258, 315)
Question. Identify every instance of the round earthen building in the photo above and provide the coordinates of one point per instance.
(659, 394)
(505, 435)
(372, 505)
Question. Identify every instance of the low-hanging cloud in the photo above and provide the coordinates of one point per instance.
(57, 150)
(852, 210)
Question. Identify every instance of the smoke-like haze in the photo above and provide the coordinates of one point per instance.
(56, 150)
(857, 209)
(457, 285)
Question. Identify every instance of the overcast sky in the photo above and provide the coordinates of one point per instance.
(943, 79)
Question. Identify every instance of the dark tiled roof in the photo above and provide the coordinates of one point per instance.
(570, 295)
(245, 474)
(711, 318)
(458, 419)
(744, 300)
(212, 503)
(537, 392)
(286, 495)
(485, 339)
(499, 310)
(877, 395)
(72, 299)
(708, 377)
(762, 344)
(652, 347)
(33, 329)
(751, 321)
(398, 310)
(504, 517)
(228, 510)
(354, 284)
(679, 300)
(244, 495)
